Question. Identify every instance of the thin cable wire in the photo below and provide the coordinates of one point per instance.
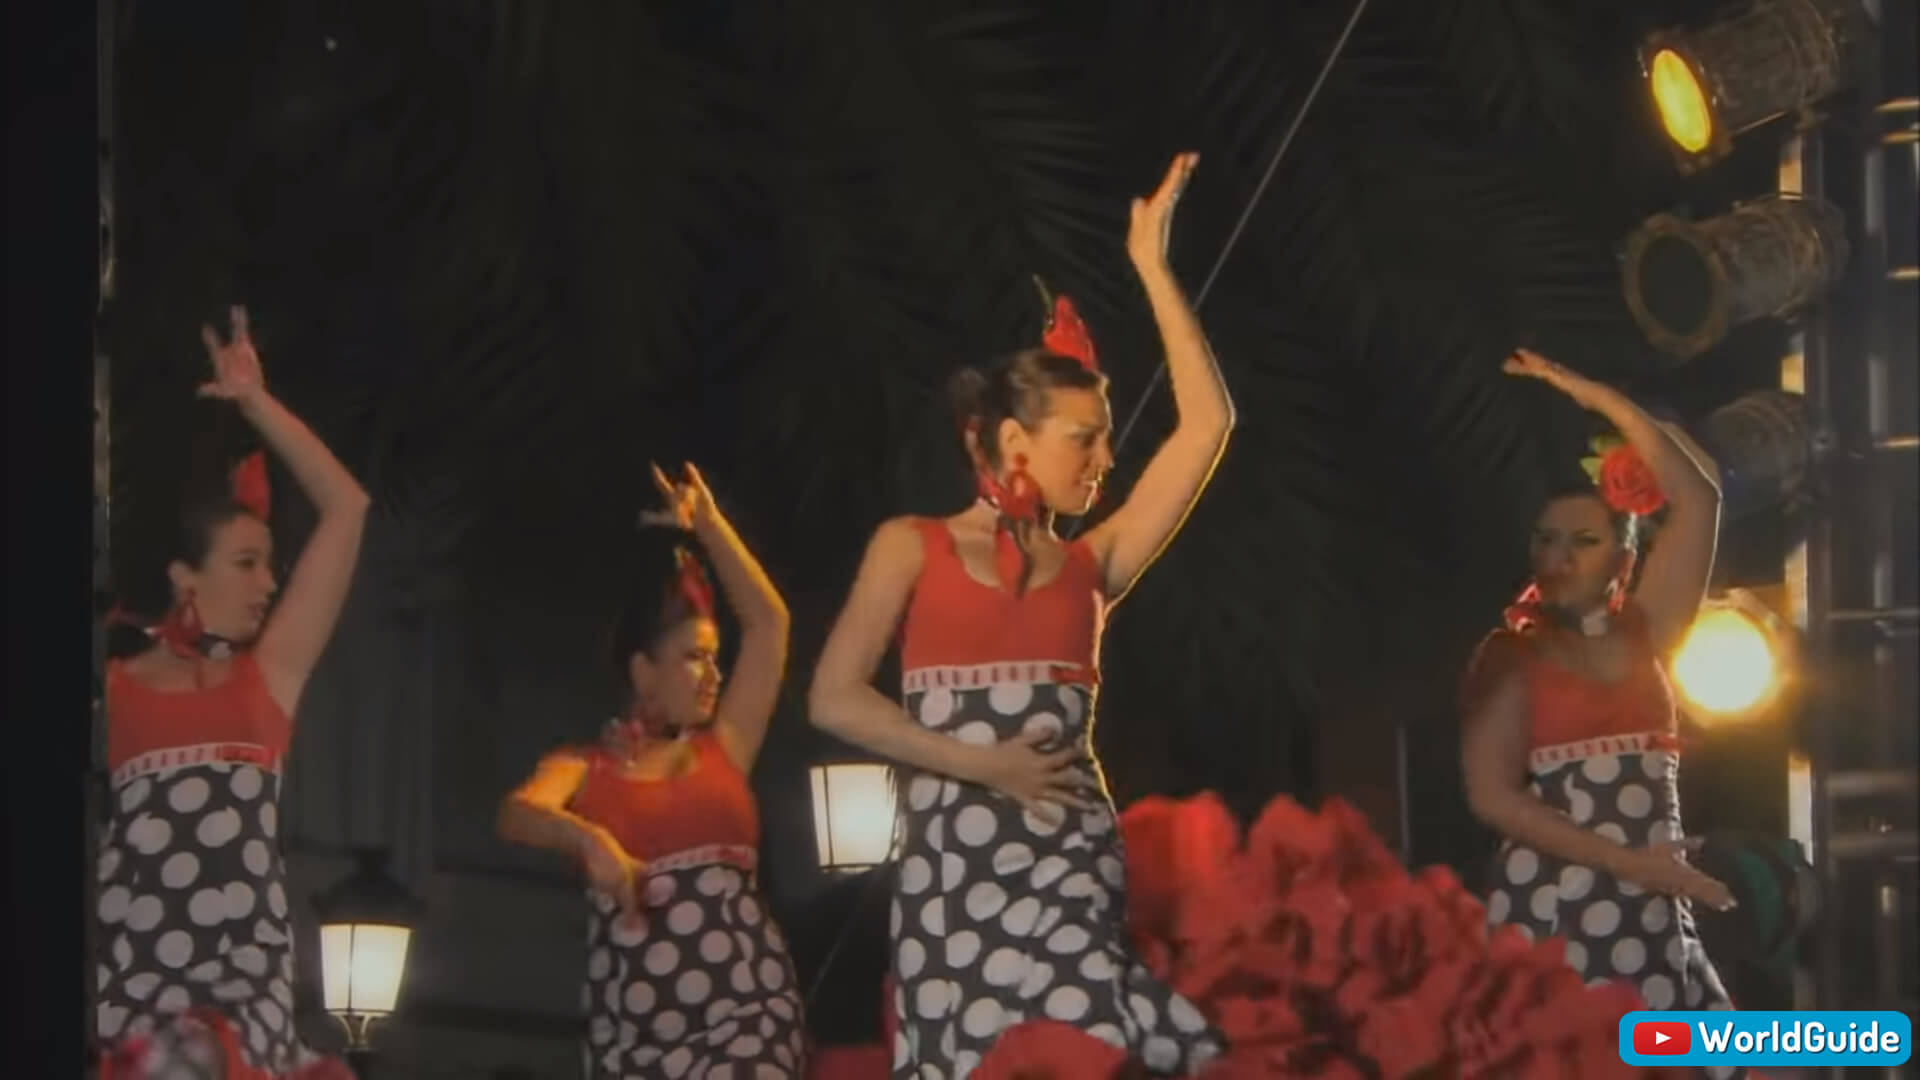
(875, 877)
(1246, 215)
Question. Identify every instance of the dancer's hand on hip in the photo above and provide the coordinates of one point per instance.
(1044, 782)
(1663, 868)
(611, 871)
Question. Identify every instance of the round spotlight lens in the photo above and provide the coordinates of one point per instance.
(1726, 664)
(1682, 103)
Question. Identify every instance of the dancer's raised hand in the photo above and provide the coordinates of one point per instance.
(1528, 364)
(236, 365)
(1151, 227)
(687, 502)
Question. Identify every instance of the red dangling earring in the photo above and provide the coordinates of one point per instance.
(1021, 500)
(180, 630)
(1622, 588)
(1019, 507)
(1524, 612)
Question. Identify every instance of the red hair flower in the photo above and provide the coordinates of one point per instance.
(1068, 336)
(1624, 479)
(692, 582)
(249, 485)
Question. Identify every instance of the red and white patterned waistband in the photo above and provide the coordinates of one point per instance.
(738, 855)
(976, 676)
(175, 757)
(1639, 742)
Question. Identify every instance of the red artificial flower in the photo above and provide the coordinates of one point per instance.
(691, 579)
(1627, 484)
(1049, 1050)
(1174, 849)
(1316, 954)
(1068, 336)
(249, 485)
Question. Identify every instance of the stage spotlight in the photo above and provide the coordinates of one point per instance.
(1734, 660)
(1771, 57)
(1763, 447)
(1689, 282)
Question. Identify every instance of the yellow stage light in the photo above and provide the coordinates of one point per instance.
(1734, 660)
(1767, 58)
(1681, 101)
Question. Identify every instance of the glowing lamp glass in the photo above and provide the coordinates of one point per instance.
(361, 966)
(1681, 100)
(1726, 665)
(852, 815)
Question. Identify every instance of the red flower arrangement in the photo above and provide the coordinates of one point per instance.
(202, 1042)
(1050, 1050)
(1317, 954)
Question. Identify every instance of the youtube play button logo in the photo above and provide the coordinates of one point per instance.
(1662, 1037)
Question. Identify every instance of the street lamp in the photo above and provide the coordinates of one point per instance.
(366, 923)
(852, 815)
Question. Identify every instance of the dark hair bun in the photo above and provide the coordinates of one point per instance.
(653, 603)
(967, 394)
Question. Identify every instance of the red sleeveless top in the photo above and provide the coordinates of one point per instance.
(1565, 706)
(238, 720)
(710, 803)
(956, 620)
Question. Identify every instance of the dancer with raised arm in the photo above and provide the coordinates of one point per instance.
(1008, 899)
(687, 974)
(196, 964)
(1028, 940)
(1568, 745)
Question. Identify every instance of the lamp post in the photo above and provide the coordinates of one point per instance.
(366, 924)
(852, 815)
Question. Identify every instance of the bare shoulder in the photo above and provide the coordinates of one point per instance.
(1497, 663)
(567, 757)
(1501, 648)
(897, 542)
(145, 666)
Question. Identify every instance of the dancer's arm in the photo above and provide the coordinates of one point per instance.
(1128, 542)
(1494, 751)
(303, 621)
(753, 687)
(535, 815)
(1677, 569)
(843, 701)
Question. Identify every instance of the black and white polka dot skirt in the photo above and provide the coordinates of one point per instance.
(699, 986)
(1626, 789)
(1000, 917)
(192, 908)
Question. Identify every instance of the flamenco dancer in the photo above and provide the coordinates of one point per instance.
(1569, 742)
(1007, 904)
(687, 974)
(1029, 941)
(196, 967)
